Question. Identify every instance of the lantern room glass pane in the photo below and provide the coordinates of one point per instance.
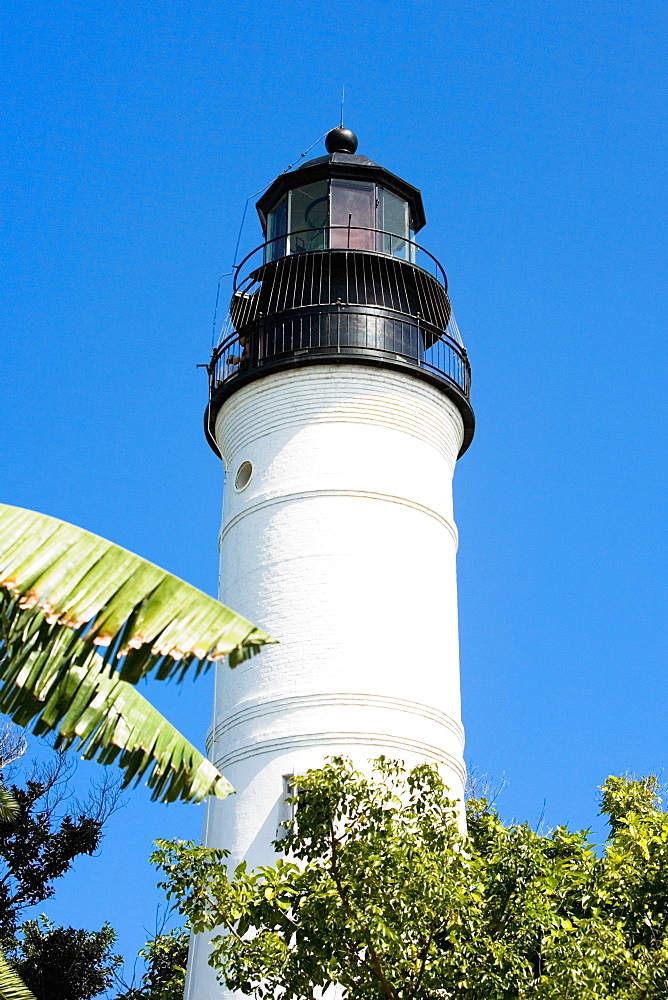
(277, 227)
(394, 221)
(309, 217)
(354, 209)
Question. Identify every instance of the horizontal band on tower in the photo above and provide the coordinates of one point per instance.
(334, 700)
(308, 740)
(313, 396)
(356, 494)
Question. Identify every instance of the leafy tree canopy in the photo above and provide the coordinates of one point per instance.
(45, 834)
(61, 963)
(166, 956)
(43, 829)
(378, 892)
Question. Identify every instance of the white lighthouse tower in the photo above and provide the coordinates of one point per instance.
(339, 406)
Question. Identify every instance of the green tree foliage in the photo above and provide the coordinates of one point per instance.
(41, 835)
(42, 838)
(378, 892)
(61, 963)
(166, 956)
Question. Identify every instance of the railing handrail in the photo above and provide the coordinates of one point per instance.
(441, 335)
(365, 229)
(436, 366)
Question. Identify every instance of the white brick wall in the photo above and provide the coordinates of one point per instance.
(343, 547)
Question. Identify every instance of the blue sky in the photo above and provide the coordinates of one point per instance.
(536, 131)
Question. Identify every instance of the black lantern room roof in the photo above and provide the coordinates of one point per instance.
(340, 163)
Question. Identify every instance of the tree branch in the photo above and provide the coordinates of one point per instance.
(423, 964)
(375, 961)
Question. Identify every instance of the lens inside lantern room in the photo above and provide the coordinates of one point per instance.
(340, 214)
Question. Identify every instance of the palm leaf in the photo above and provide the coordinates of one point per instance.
(8, 804)
(70, 689)
(66, 596)
(76, 578)
(12, 986)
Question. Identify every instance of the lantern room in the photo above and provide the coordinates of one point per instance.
(336, 214)
(341, 201)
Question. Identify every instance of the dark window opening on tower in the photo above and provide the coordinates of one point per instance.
(287, 806)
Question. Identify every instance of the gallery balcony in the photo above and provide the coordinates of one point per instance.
(360, 297)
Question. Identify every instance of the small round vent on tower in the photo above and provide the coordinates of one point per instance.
(243, 476)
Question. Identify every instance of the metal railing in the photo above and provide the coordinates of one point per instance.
(326, 334)
(350, 235)
(347, 276)
(340, 301)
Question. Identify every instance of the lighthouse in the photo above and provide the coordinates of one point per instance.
(339, 405)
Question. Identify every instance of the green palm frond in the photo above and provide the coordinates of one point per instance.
(70, 690)
(81, 621)
(12, 986)
(8, 804)
(121, 602)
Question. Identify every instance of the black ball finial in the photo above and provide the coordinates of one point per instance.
(341, 140)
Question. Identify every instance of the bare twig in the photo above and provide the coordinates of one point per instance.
(13, 744)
